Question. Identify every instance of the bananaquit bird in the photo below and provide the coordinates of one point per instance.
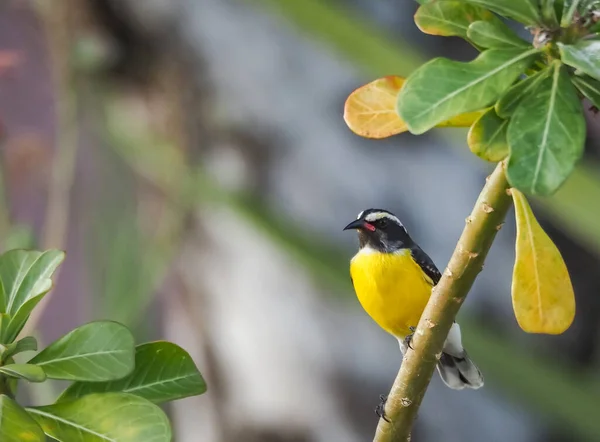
(393, 279)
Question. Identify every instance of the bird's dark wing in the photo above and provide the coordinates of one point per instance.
(426, 264)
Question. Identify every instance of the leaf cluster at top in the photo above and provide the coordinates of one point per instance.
(529, 91)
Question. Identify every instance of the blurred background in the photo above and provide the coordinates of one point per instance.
(191, 157)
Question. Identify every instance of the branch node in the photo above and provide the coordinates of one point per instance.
(469, 220)
(429, 323)
(405, 402)
(487, 208)
(499, 226)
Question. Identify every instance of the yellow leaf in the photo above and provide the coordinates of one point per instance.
(542, 294)
(370, 111)
(462, 120)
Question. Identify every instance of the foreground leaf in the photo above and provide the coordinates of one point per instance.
(487, 137)
(114, 417)
(449, 18)
(98, 351)
(583, 55)
(589, 87)
(29, 372)
(509, 101)
(494, 34)
(546, 135)
(524, 11)
(16, 322)
(16, 425)
(25, 277)
(542, 295)
(441, 88)
(370, 111)
(4, 322)
(569, 12)
(28, 343)
(163, 372)
(548, 13)
(26, 274)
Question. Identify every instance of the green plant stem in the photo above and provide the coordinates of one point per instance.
(447, 297)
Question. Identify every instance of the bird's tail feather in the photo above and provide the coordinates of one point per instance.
(455, 367)
(459, 372)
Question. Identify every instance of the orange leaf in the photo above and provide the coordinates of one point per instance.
(370, 111)
(542, 294)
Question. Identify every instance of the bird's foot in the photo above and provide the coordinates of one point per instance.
(408, 339)
(380, 409)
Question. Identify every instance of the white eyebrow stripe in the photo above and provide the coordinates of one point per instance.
(371, 217)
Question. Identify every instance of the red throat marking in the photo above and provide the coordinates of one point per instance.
(370, 227)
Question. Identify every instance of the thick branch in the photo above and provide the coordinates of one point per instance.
(447, 297)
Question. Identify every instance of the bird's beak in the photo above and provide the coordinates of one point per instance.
(356, 224)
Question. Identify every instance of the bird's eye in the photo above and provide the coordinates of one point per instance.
(383, 222)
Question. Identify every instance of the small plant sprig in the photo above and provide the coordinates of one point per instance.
(116, 385)
(523, 103)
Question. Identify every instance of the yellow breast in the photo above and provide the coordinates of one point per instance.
(391, 287)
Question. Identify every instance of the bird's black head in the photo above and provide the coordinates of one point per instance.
(380, 230)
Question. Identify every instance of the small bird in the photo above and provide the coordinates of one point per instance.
(393, 278)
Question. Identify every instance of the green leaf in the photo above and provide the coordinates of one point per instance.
(114, 417)
(487, 137)
(17, 322)
(548, 13)
(29, 372)
(589, 87)
(509, 101)
(4, 322)
(559, 9)
(98, 351)
(494, 34)
(11, 383)
(28, 343)
(441, 88)
(16, 425)
(583, 55)
(546, 135)
(25, 277)
(524, 11)
(26, 274)
(163, 372)
(449, 18)
(13, 386)
(569, 9)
